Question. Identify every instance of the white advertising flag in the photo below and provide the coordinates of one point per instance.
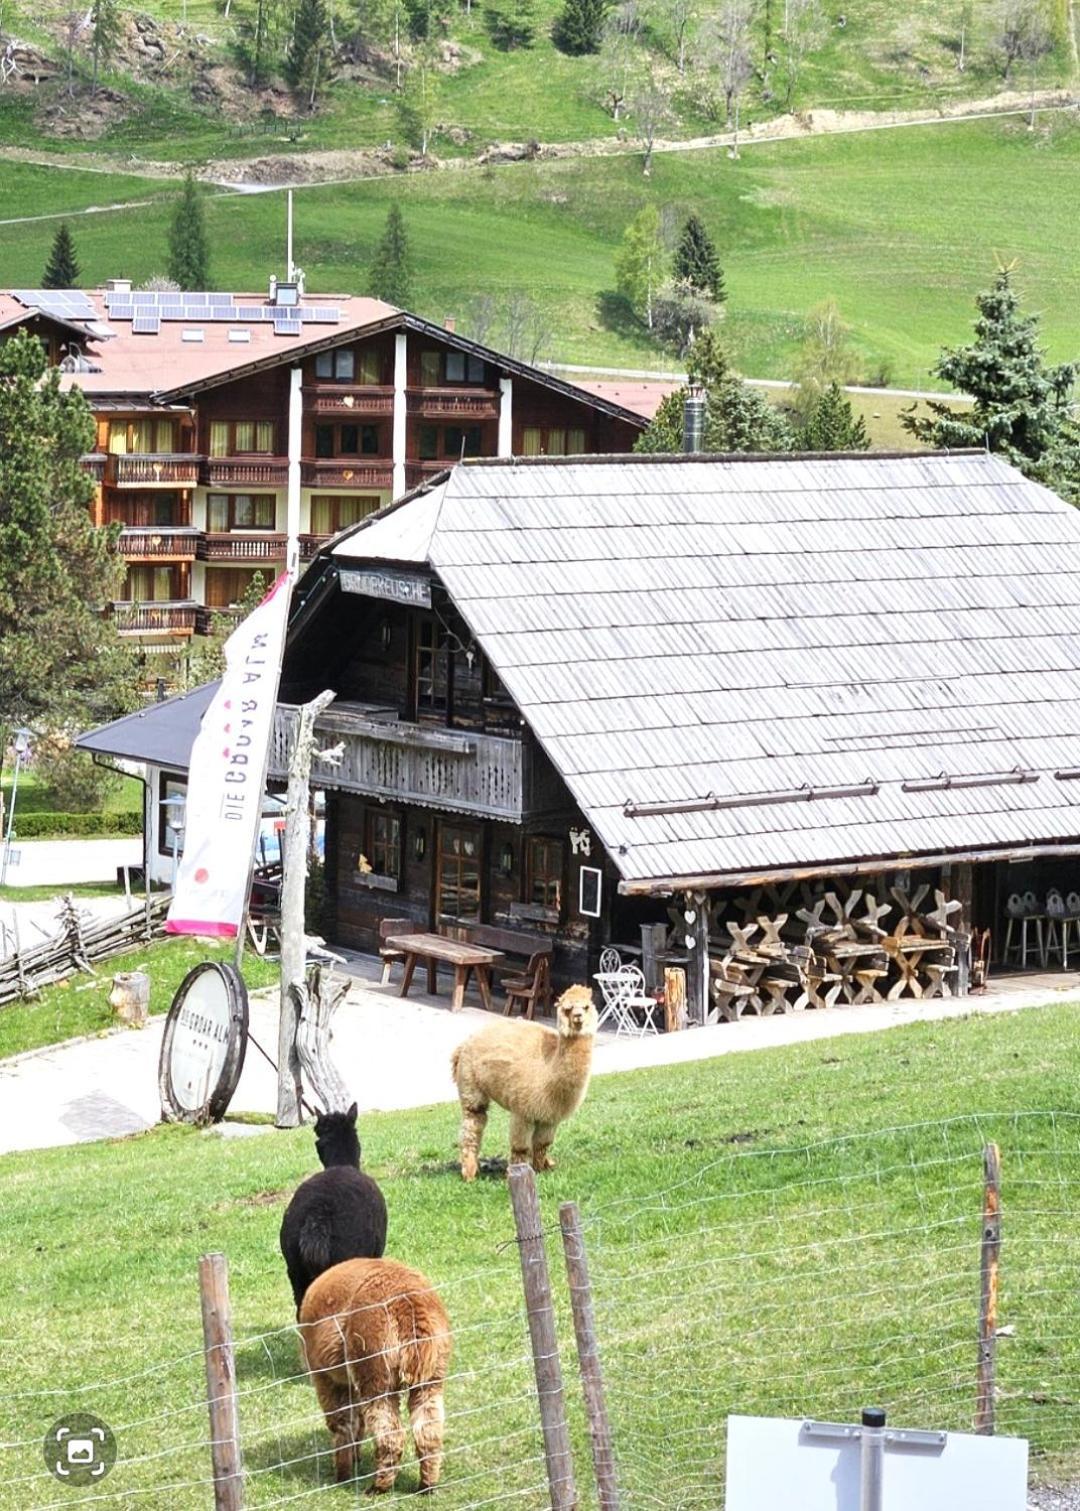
(227, 775)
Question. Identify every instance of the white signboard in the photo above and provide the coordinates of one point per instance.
(227, 774)
(202, 1052)
(398, 587)
(775, 1464)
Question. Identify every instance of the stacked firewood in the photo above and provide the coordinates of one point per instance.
(783, 949)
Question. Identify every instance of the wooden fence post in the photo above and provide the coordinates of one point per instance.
(592, 1378)
(539, 1305)
(221, 1383)
(988, 1298)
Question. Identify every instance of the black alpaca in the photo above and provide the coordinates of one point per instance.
(335, 1215)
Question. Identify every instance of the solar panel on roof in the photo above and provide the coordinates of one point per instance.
(172, 312)
(219, 300)
(287, 327)
(145, 325)
(144, 296)
(252, 312)
(121, 311)
(198, 312)
(321, 316)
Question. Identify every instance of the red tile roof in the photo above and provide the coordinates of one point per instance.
(643, 398)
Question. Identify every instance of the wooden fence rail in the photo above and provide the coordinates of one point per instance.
(79, 942)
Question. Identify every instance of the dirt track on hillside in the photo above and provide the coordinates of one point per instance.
(300, 169)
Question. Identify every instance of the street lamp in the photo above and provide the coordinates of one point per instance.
(175, 825)
(22, 749)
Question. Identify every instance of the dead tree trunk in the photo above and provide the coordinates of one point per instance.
(319, 999)
(294, 860)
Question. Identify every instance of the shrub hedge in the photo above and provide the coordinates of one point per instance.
(76, 825)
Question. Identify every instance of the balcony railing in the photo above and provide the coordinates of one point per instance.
(144, 469)
(310, 544)
(154, 618)
(453, 403)
(159, 544)
(340, 472)
(94, 464)
(419, 472)
(263, 545)
(344, 399)
(385, 757)
(245, 472)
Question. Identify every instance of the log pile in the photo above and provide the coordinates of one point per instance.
(805, 944)
(79, 942)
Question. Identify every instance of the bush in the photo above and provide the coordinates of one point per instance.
(679, 317)
(70, 777)
(76, 825)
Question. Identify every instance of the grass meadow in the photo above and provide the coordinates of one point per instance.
(901, 227)
(794, 1231)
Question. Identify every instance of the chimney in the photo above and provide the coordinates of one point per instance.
(118, 285)
(450, 324)
(693, 419)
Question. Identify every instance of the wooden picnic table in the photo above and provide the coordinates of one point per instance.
(465, 958)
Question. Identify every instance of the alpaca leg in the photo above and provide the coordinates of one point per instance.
(382, 1418)
(543, 1135)
(473, 1123)
(427, 1414)
(343, 1421)
(521, 1137)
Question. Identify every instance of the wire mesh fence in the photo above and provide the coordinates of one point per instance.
(790, 1282)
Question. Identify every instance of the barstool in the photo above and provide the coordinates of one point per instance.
(1070, 924)
(1024, 910)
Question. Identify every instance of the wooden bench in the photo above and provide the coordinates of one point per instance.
(533, 984)
(389, 957)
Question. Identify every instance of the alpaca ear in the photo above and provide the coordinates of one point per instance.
(352, 1113)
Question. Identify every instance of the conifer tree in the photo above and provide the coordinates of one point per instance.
(310, 58)
(1022, 407)
(737, 417)
(390, 273)
(62, 268)
(697, 266)
(832, 424)
(579, 26)
(189, 252)
(105, 27)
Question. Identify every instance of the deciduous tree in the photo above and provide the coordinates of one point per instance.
(648, 104)
(62, 268)
(390, 273)
(620, 50)
(418, 102)
(62, 665)
(641, 263)
(827, 355)
(189, 249)
(800, 35)
(1022, 406)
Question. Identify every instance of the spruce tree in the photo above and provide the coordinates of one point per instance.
(579, 26)
(832, 424)
(697, 266)
(62, 268)
(737, 417)
(189, 252)
(308, 64)
(1022, 407)
(390, 273)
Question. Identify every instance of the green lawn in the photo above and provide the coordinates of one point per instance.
(81, 1004)
(122, 794)
(792, 1231)
(902, 227)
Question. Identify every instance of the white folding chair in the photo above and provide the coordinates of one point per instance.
(625, 1001)
(610, 960)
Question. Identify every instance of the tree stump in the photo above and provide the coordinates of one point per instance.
(130, 997)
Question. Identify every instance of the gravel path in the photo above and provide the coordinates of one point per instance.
(1054, 1498)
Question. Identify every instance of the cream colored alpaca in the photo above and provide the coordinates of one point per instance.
(540, 1078)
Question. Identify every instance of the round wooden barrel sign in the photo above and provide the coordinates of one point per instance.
(202, 1053)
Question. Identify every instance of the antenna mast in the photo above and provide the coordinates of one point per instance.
(290, 271)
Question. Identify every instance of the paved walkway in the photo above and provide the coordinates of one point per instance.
(59, 862)
(396, 1053)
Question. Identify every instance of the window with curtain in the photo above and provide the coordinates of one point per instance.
(370, 366)
(118, 437)
(240, 511)
(431, 369)
(532, 438)
(217, 512)
(382, 843)
(458, 872)
(227, 585)
(331, 512)
(219, 438)
(165, 435)
(149, 584)
(575, 442)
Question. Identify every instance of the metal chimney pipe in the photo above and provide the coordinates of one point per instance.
(694, 419)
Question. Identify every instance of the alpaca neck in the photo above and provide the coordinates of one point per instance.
(339, 1159)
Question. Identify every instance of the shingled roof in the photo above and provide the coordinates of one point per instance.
(743, 666)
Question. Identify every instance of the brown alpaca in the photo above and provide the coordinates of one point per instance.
(369, 1329)
(540, 1078)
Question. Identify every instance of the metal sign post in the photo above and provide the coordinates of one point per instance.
(873, 1440)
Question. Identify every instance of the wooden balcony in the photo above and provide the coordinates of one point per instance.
(466, 404)
(310, 545)
(364, 400)
(205, 614)
(154, 618)
(342, 472)
(245, 471)
(236, 545)
(456, 770)
(147, 469)
(94, 464)
(419, 472)
(159, 543)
